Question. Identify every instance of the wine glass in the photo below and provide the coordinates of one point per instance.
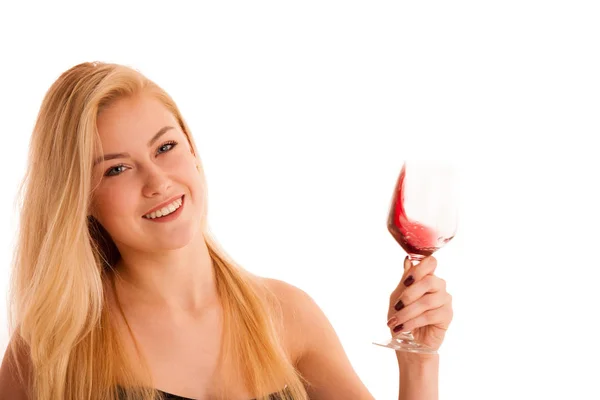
(423, 217)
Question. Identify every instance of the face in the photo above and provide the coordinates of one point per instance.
(147, 163)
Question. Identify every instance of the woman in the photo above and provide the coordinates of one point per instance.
(119, 290)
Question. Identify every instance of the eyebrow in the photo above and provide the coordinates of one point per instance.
(112, 156)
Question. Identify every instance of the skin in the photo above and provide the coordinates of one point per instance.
(167, 288)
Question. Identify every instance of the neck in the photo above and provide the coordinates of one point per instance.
(178, 280)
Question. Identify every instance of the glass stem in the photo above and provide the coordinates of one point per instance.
(415, 259)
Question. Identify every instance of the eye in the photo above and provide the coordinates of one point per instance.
(166, 146)
(116, 170)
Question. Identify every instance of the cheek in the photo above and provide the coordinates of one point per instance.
(184, 168)
(112, 202)
(195, 178)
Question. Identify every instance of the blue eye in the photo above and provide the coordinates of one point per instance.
(166, 147)
(116, 170)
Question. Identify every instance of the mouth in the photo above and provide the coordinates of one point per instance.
(165, 210)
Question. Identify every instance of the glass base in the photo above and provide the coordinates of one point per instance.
(405, 341)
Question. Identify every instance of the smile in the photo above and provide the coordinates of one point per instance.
(169, 209)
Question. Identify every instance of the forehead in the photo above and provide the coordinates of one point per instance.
(130, 118)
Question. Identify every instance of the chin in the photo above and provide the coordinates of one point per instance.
(176, 239)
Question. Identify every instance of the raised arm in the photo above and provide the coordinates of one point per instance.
(420, 304)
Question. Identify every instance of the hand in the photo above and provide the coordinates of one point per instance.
(420, 304)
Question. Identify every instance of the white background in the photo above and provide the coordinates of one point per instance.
(303, 113)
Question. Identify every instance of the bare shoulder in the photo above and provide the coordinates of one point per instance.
(295, 306)
(299, 309)
(15, 370)
(291, 297)
(321, 358)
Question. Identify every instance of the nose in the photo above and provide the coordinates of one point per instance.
(156, 182)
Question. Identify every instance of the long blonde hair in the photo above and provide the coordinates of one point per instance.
(58, 301)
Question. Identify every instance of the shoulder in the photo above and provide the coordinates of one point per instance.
(302, 316)
(297, 309)
(288, 294)
(304, 321)
(15, 370)
(320, 357)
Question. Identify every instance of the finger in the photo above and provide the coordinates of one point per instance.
(439, 317)
(398, 290)
(407, 263)
(424, 304)
(412, 274)
(416, 272)
(429, 284)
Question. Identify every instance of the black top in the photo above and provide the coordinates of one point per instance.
(170, 396)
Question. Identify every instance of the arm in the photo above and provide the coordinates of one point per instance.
(426, 311)
(422, 305)
(418, 376)
(11, 387)
(326, 366)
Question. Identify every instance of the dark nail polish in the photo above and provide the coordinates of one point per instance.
(398, 328)
(399, 305)
(409, 281)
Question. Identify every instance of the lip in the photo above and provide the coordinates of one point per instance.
(163, 204)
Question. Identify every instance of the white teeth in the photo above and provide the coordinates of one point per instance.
(165, 210)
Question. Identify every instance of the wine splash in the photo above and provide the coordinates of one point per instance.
(416, 239)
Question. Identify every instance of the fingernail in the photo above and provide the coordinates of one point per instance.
(399, 305)
(398, 328)
(392, 321)
(409, 281)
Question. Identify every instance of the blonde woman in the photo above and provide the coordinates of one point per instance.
(119, 291)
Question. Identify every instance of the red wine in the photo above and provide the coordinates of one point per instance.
(414, 237)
